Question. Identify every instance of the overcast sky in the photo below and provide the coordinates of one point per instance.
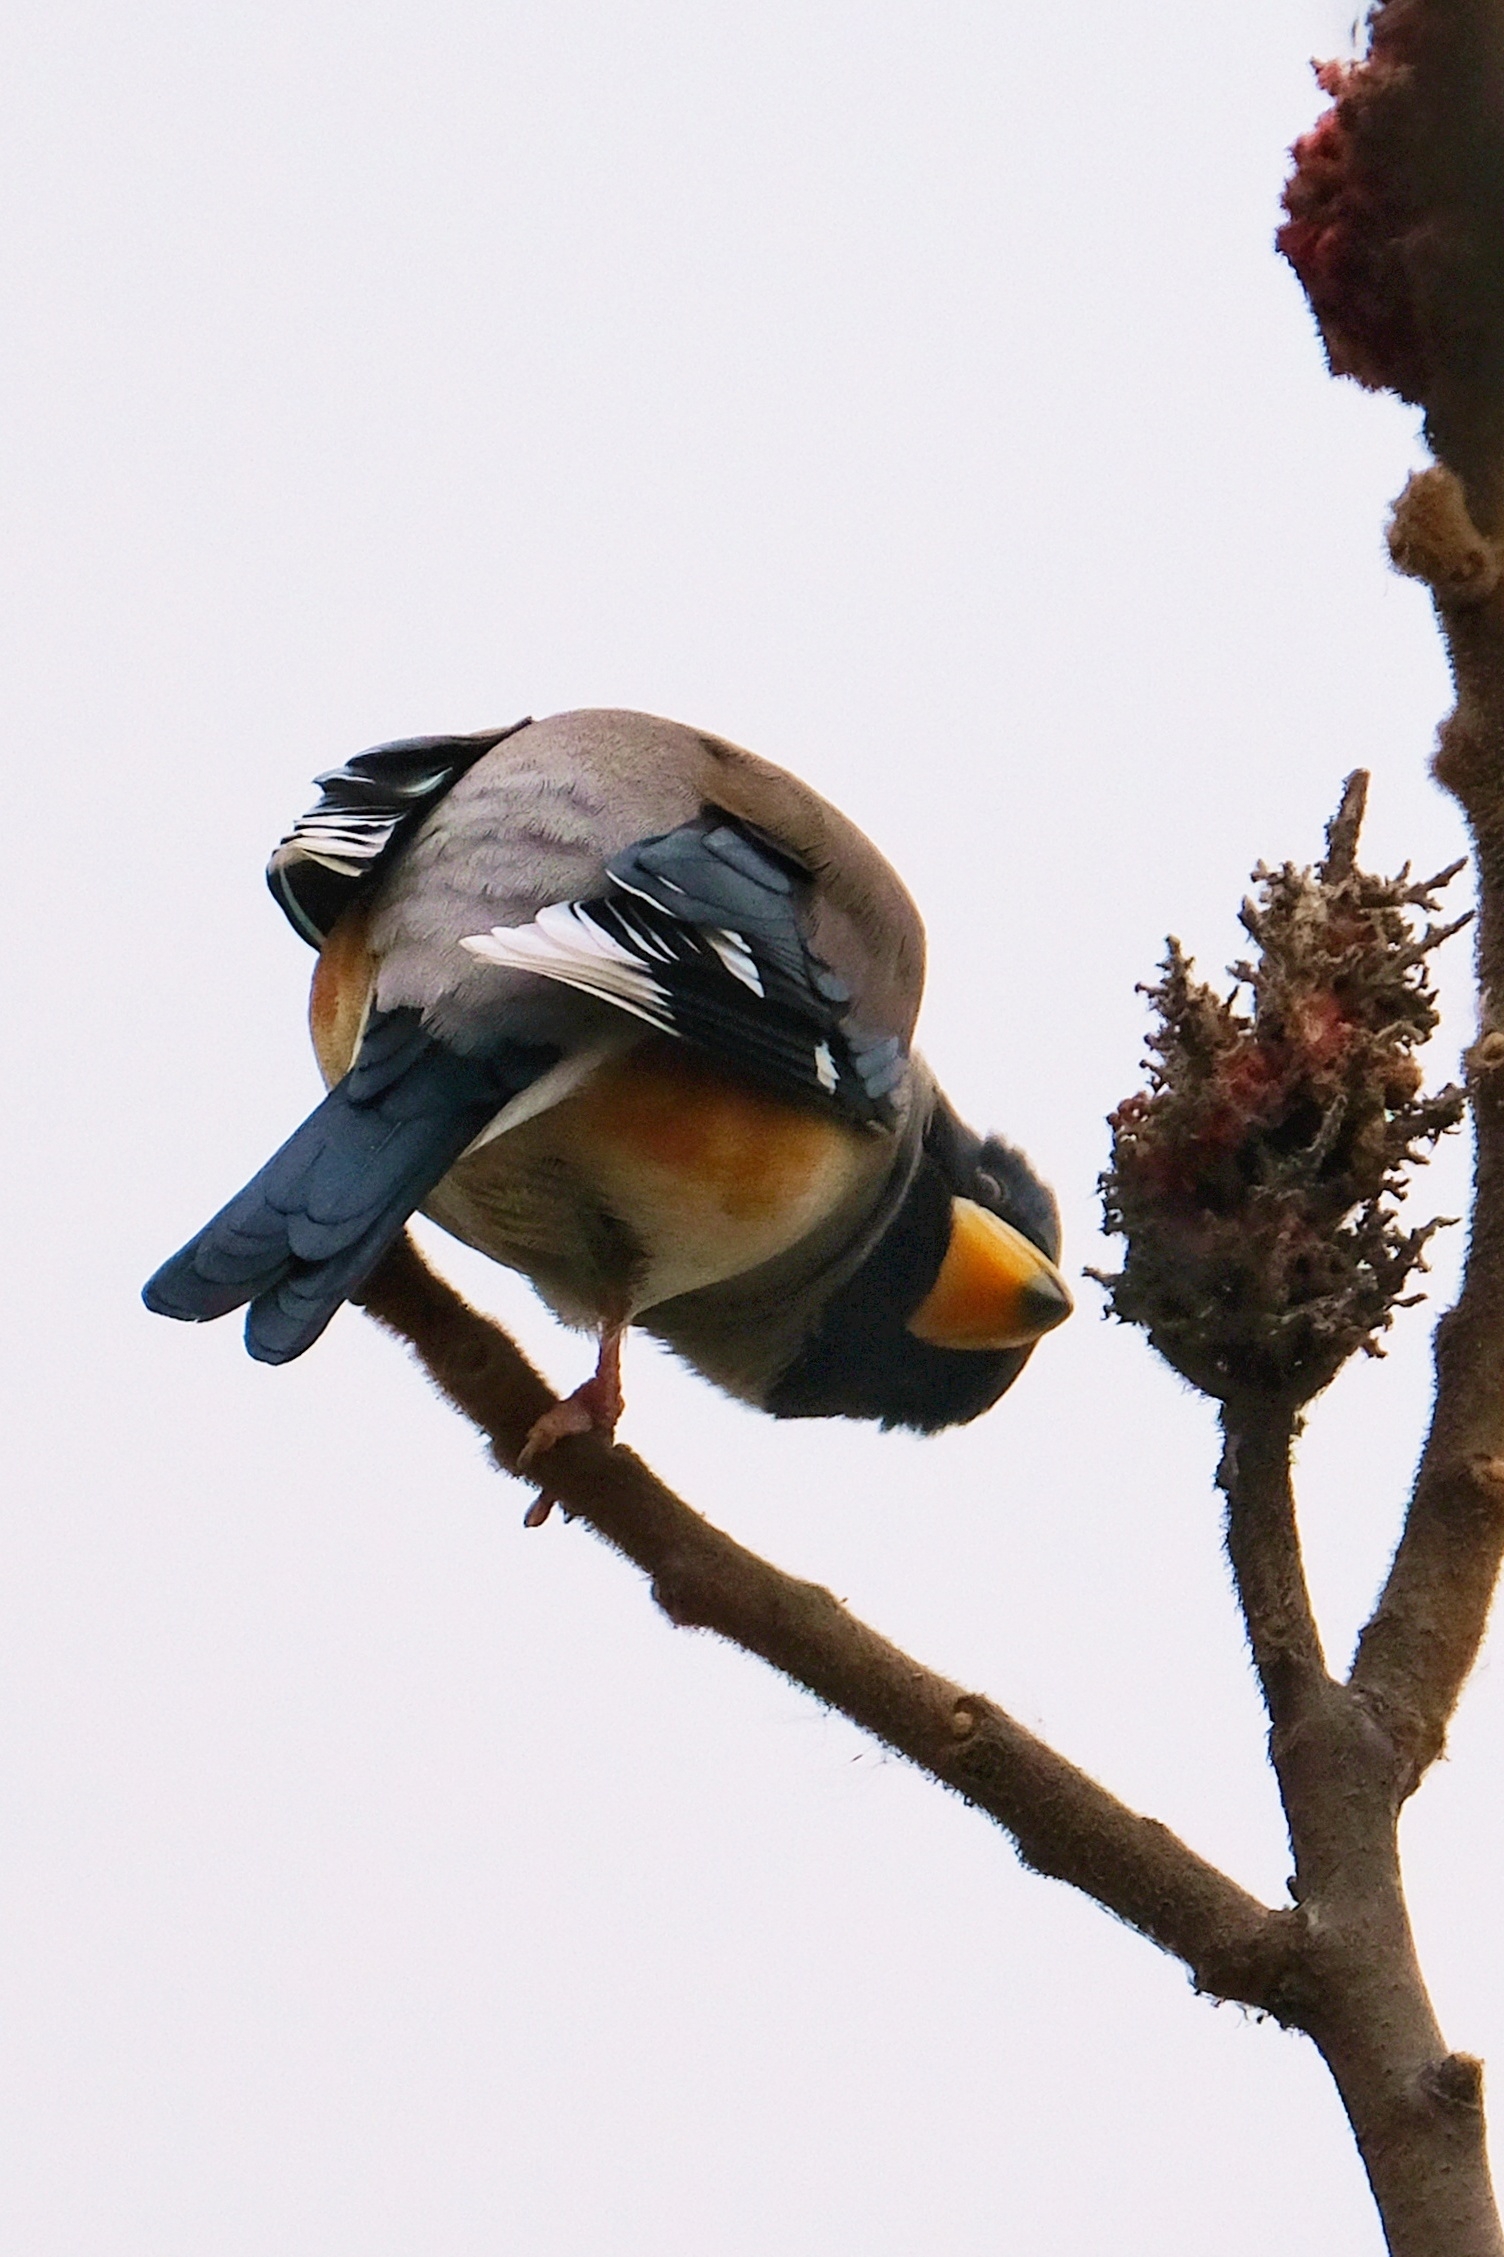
(909, 392)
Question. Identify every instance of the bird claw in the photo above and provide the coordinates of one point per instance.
(575, 1415)
(593, 1408)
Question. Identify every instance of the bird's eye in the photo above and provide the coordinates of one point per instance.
(988, 1186)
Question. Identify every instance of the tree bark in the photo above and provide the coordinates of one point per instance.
(1357, 1990)
(1061, 1821)
(1341, 1965)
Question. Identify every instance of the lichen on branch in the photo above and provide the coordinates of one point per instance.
(1258, 1179)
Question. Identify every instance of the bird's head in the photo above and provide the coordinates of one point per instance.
(943, 1313)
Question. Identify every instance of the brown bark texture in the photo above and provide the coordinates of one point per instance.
(1062, 1823)
(1256, 1184)
(1395, 226)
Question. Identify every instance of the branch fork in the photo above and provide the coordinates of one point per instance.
(1263, 1136)
(1257, 1183)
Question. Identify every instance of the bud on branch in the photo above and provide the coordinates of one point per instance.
(1395, 225)
(1257, 1180)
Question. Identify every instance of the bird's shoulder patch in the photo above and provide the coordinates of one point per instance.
(365, 811)
(702, 933)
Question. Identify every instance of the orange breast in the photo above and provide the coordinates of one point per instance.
(654, 1177)
(712, 1176)
(664, 1110)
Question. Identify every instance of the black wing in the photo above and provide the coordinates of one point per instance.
(365, 811)
(702, 935)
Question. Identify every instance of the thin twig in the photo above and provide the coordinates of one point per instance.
(1343, 830)
(1263, 1544)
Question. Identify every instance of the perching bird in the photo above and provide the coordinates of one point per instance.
(629, 1010)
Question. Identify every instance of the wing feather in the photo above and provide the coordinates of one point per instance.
(364, 813)
(701, 934)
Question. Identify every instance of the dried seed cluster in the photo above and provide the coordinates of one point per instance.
(1395, 211)
(1257, 1179)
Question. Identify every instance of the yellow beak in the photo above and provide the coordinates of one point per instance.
(995, 1288)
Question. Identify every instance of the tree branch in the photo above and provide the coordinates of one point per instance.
(1394, 229)
(1417, 1650)
(1063, 1824)
(1263, 1545)
(1341, 1966)
(1358, 1990)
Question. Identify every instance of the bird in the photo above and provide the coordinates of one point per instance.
(630, 1010)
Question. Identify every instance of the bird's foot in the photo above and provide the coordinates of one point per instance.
(593, 1408)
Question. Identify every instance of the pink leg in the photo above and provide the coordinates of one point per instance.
(593, 1408)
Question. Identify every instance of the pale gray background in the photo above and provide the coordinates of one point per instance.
(909, 391)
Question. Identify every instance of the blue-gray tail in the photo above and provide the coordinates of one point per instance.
(306, 1231)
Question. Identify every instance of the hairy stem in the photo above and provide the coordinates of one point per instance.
(1263, 1546)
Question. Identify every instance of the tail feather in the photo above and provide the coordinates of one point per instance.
(318, 1217)
(288, 1317)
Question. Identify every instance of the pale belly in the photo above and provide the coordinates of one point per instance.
(655, 1178)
